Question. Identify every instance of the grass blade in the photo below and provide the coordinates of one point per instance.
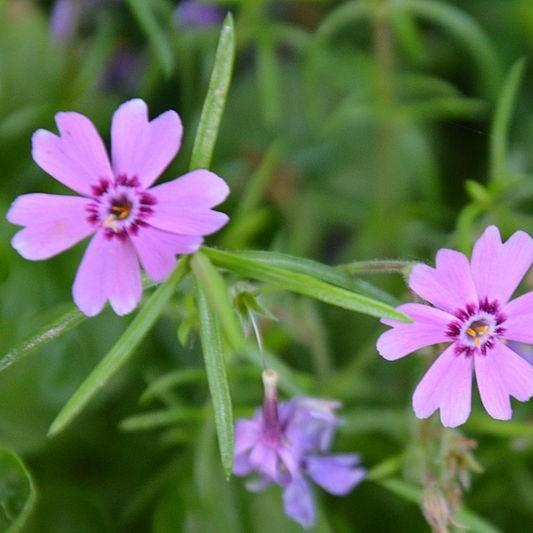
(123, 349)
(264, 266)
(502, 119)
(53, 329)
(17, 492)
(215, 100)
(213, 349)
(216, 292)
(44, 335)
(142, 11)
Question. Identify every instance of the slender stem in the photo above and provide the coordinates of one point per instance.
(376, 267)
(384, 56)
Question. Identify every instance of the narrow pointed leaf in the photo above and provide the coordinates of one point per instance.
(17, 492)
(44, 335)
(216, 292)
(260, 266)
(502, 120)
(213, 349)
(123, 349)
(216, 98)
(161, 45)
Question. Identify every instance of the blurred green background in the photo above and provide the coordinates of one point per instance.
(368, 129)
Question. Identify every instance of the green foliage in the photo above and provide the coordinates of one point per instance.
(358, 138)
(214, 357)
(17, 492)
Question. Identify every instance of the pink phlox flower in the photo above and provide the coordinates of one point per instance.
(473, 311)
(131, 222)
(287, 444)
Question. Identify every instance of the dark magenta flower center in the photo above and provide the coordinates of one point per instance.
(121, 207)
(477, 327)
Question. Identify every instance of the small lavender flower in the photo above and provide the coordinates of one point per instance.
(197, 14)
(474, 312)
(284, 443)
(131, 221)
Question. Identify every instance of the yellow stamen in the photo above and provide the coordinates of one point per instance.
(121, 211)
(471, 332)
(482, 330)
(477, 342)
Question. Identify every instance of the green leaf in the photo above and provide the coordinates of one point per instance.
(170, 380)
(216, 292)
(162, 47)
(44, 335)
(123, 349)
(17, 492)
(301, 265)
(304, 277)
(216, 98)
(502, 119)
(213, 349)
(162, 418)
(467, 31)
(53, 329)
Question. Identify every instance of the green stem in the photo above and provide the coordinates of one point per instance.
(377, 267)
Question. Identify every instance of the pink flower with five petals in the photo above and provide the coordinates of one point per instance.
(131, 223)
(472, 311)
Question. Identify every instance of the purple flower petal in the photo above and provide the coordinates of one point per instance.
(337, 474)
(498, 269)
(199, 188)
(157, 250)
(53, 223)
(299, 503)
(143, 148)
(448, 286)
(429, 327)
(264, 459)
(77, 158)
(110, 271)
(247, 433)
(241, 464)
(446, 385)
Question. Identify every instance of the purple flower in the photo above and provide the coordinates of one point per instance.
(196, 14)
(284, 445)
(472, 312)
(130, 221)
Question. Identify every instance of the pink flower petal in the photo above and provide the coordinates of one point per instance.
(500, 374)
(110, 271)
(519, 313)
(429, 327)
(54, 224)
(157, 250)
(486, 250)
(143, 148)
(187, 221)
(498, 269)
(199, 188)
(449, 286)
(446, 385)
(492, 387)
(77, 158)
